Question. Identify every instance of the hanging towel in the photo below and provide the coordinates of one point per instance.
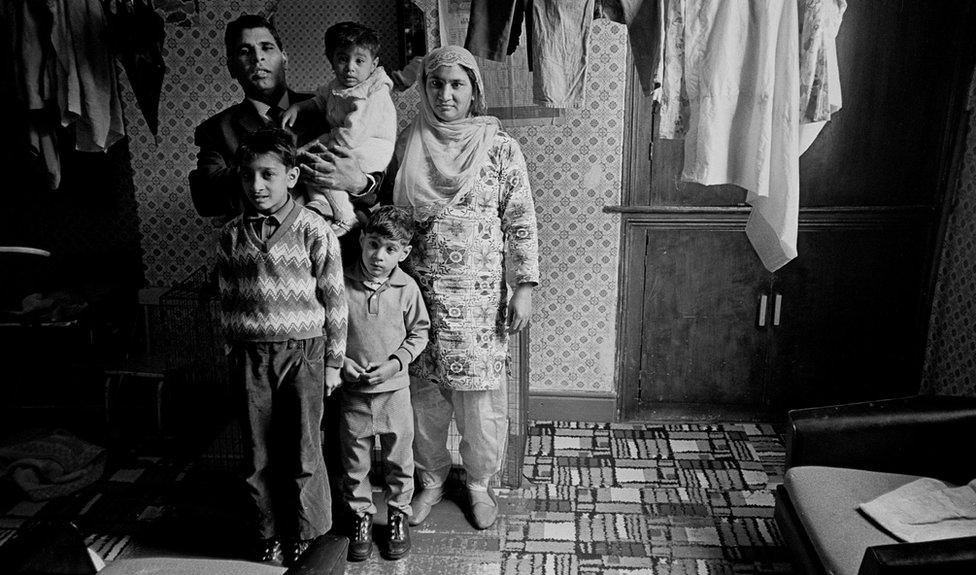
(731, 86)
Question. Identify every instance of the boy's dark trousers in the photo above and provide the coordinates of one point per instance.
(284, 384)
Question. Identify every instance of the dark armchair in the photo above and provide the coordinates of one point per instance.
(840, 456)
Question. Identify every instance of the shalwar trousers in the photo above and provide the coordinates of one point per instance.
(389, 416)
(284, 389)
(482, 422)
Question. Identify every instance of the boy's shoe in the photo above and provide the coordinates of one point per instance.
(484, 508)
(423, 502)
(361, 542)
(267, 551)
(292, 550)
(398, 542)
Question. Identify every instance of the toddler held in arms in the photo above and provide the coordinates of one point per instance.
(357, 104)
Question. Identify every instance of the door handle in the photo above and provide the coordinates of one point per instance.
(763, 301)
(777, 305)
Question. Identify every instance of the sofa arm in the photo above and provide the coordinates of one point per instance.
(918, 435)
(325, 556)
(944, 557)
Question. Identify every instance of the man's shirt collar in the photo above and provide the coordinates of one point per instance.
(263, 108)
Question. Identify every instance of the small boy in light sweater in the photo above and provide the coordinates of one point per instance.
(357, 105)
(284, 312)
(388, 325)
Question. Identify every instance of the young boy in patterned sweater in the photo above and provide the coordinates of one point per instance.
(284, 312)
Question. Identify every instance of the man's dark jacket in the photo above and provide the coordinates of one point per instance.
(215, 186)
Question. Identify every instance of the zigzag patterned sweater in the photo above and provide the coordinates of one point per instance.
(290, 287)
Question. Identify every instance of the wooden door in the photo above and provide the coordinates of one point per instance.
(695, 327)
(850, 318)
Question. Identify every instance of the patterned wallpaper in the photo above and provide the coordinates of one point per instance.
(950, 363)
(574, 163)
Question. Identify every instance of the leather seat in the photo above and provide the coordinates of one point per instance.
(840, 456)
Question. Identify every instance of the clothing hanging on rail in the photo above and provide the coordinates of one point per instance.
(732, 85)
(137, 35)
(558, 34)
(645, 30)
(494, 27)
(64, 76)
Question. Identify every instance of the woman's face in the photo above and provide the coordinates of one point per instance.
(450, 93)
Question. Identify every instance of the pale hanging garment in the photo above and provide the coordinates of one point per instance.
(731, 86)
(819, 75)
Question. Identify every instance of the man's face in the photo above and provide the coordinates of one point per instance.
(258, 64)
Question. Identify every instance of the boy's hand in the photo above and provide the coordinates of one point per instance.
(332, 380)
(290, 116)
(351, 371)
(378, 373)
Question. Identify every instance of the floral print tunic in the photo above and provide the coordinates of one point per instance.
(465, 260)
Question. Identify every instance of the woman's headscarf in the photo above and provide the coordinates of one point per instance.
(440, 161)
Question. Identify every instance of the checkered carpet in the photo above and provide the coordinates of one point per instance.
(646, 499)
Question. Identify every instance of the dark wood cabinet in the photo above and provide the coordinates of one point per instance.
(846, 318)
(698, 321)
(703, 322)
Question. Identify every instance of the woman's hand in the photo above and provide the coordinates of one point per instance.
(520, 308)
(331, 168)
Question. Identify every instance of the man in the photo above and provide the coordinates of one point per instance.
(256, 60)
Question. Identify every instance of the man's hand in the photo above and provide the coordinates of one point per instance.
(351, 371)
(520, 308)
(331, 168)
(378, 373)
(332, 380)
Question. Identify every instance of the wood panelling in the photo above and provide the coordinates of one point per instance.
(851, 306)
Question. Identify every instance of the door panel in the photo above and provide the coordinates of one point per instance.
(700, 339)
(850, 317)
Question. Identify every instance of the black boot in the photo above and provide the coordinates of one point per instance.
(292, 551)
(361, 542)
(267, 551)
(398, 543)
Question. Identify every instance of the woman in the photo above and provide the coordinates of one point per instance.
(468, 186)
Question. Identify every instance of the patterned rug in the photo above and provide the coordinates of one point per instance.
(634, 499)
(646, 499)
